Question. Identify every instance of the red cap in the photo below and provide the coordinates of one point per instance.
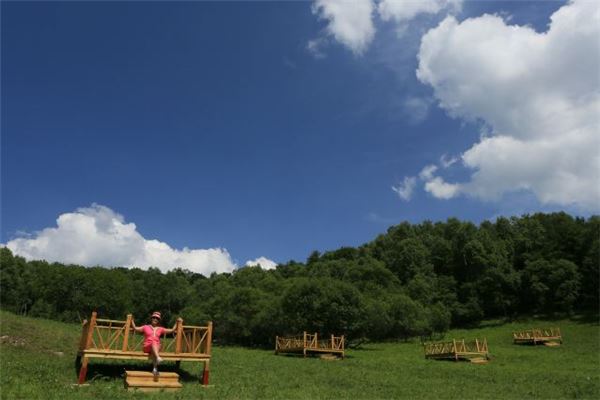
(156, 314)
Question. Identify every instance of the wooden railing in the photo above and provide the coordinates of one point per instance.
(455, 348)
(114, 335)
(309, 342)
(535, 334)
(290, 342)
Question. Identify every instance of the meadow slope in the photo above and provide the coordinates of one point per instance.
(37, 362)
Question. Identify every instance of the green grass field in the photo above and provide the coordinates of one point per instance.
(37, 362)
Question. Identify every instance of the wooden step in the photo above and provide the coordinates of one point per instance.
(146, 375)
(146, 382)
(479, 360)
(551, 344)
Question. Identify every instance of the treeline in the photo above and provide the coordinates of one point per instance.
(414, 280)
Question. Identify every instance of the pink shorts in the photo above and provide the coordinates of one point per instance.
(148, 348)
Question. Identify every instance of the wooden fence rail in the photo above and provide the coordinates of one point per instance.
(307, 343)
(535, 336)
(116, 339)
(457, 349)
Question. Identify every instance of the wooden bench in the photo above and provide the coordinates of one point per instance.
(310, 343)
(475, 351)
(115, 339)
(548, 337)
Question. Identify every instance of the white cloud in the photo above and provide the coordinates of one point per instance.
(315, 47)
(98, 236)
(349, 22)
(263, 262)
(404, 10)
(441, 189)
(539, 93)
(446, 161)
(416, 109)
(405, 189)
(427, 172)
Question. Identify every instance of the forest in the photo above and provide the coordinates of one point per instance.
(415, 280)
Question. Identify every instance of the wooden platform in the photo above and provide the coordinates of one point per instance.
(475, 351)
(147, 382)
(116, 339)
(548, 337)
(310, 343)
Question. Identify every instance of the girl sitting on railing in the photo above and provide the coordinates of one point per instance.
(152, 334)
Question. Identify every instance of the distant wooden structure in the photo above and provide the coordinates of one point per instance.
(115, 339)
(310, 343)
(475, 351)
(548, 337)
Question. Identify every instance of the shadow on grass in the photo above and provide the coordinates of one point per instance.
(312, 356)
(587, 318)
(592, 318)
(116, 371)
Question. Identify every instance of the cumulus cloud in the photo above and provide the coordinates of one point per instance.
(539, 94)
(441, 189)
(446, 161)
(262, 262)
(97, 235)
(349, 22)
(427, 172)
(405, 189)
(405, 10)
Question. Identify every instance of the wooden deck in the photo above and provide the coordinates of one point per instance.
(116, 339)
(548, 337)
(310, 343)
(475, 351)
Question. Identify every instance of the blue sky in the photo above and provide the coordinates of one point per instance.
(214, 125)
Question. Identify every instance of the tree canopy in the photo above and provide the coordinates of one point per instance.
(414, 280)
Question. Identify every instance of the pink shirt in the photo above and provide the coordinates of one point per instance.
(152, 335)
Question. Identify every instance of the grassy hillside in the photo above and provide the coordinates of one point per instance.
(37, 361)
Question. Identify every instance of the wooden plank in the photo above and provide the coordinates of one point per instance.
(150, 375)
(90, 332)
(179, 333)
(126, 336)
(208, 347)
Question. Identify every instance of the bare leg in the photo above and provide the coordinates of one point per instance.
(155, 354)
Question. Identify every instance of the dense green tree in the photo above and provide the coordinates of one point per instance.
(414, 280)
(550, 286)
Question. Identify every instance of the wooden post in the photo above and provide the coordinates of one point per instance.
(179, 333)
(559, 335)
(332, 342)
(209, 340)
(477, 344)
(91, 328)
(206, 373)
(454, 347)
(83, 339)
(304, 345)
(126, 334)
(343, 342)
(83, 370)
(276, 344)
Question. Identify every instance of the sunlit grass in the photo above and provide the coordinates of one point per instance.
(37, 361)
